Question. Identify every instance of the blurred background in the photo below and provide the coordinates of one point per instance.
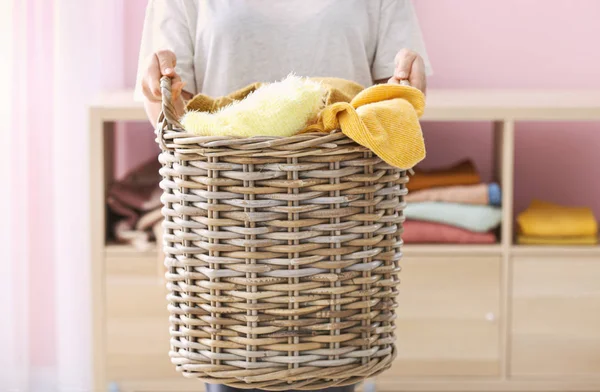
(60, 56)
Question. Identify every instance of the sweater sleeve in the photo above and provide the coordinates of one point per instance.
(398, 28)
(170, 25)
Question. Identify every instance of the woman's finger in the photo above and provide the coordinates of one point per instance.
(404, 61)
(167, 61)
(148, 94)
(176, 87)
(417, 77)
(152, 77)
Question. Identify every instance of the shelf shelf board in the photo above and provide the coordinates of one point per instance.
(450, 249)
(486, 105)
(124, 250)
(409, 250)
(442, 104)
(553, 250)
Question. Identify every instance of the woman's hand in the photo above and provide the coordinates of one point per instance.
(162, 63)
(411, 67)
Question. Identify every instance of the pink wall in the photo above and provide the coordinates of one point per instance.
(489, 44)
(139, 135)
(519, 44)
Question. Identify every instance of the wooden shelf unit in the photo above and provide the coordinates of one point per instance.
(471, 317)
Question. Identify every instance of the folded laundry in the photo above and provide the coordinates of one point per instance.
(494, 194)
(134, 204)
(383, 118)
(462, 173)
(544, 219)
(431, 232)
(478, 218)
(483, 194)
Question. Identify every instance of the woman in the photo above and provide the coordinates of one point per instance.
(218, 46)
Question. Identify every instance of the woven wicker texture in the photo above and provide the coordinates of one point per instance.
(282, 257)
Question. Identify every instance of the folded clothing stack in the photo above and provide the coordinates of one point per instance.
(135, 207)
(451, 205)
(544, 223)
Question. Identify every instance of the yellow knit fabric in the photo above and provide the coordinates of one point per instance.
(583, 240)
(383, 118)
(543, 219)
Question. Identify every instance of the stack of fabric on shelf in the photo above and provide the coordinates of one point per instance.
(135, 207)
(451, 205)
(544, 223)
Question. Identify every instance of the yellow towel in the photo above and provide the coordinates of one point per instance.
(543, 219)
(583, 240)
(383, 118)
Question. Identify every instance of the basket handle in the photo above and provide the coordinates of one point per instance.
(168, 109)
(168, 117)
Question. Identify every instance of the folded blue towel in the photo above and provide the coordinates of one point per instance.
(495, 194)
(476, 218)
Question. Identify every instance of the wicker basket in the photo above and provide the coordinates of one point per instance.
(282, 257)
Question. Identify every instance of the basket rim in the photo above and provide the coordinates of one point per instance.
(172, 139)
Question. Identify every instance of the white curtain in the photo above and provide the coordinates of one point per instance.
(57, 56)
(88, 59)
(14, 348)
